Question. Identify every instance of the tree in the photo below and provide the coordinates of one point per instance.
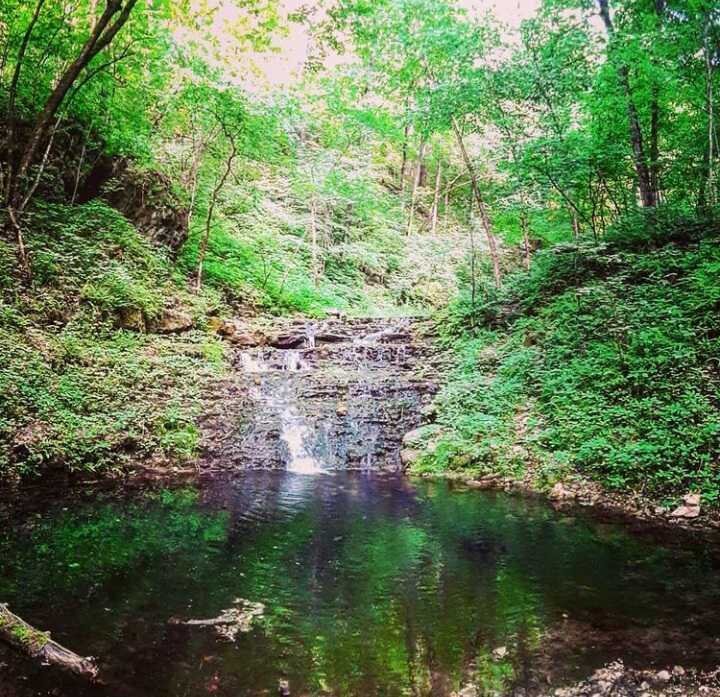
(19, 189)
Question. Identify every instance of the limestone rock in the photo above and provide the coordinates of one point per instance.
(238, 334)
(500, 653)
(421, 436)
(331, 338)
(561, 493)
(468, 691)
(148, 200)
(174, 320)
(689, 509)
(287, 340)
(429, 412)
(409, 456)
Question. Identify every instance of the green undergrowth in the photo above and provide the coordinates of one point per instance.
(260, 251)
(602, 361)
(86, 381)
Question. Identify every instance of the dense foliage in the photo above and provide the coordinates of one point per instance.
(81, 387)
(601, 361)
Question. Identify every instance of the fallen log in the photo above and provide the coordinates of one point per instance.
(38, 645)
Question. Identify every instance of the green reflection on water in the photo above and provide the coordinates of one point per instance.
(371, 587)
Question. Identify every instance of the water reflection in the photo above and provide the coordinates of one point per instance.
(372, 586)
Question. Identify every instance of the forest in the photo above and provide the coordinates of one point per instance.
(199, 193)
(549, 188)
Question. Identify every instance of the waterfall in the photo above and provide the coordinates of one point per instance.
(275, 386)
(296, 435)
(325, 395)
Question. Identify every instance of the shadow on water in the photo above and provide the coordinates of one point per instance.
(372, 586)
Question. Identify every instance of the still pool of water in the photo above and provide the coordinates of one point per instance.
(371, 586)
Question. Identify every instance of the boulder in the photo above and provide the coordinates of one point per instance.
(287, 340)
(173, 320)
(238, 334)
(421, 436)
(689, 509)
(409, 456)
(561, 493)
(245, 339)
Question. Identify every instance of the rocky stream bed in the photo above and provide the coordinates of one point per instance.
(330, 395)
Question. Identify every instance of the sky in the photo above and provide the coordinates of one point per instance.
(511, 12)
(280, 68)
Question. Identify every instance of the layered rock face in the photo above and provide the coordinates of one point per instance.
(321, 396)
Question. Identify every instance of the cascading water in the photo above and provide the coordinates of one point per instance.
(324, 396)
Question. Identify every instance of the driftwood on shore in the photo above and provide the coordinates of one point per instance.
(38, 645)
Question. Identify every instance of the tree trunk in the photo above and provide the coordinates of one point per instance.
(12, 92)
(648, 192)
(436, 199)
(314, 242)
(710, 195)
(24, 637)
(101, 36)
(655, 145)
(482, 208)
(422, 175)
(446, 211)
(473, 263)
(416, 184)
(78, 171)
(575, 226)
(406, 136)
(525, 226)
(219, 185)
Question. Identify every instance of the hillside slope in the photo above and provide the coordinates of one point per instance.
(103, 357)
(602, 363)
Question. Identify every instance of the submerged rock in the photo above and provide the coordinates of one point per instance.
(231, 622)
